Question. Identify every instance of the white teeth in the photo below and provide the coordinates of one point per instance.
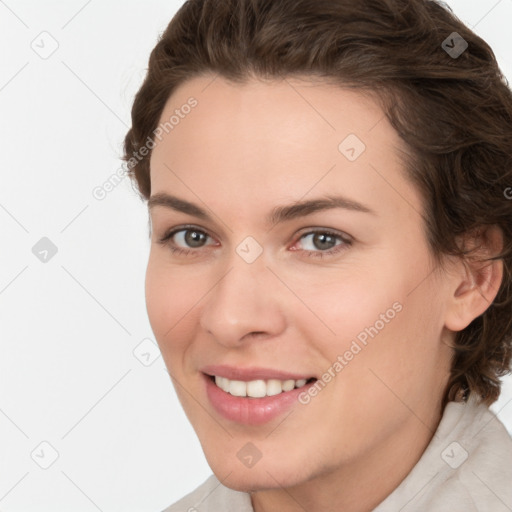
(274, 387)
(223, 383)
(288, 385)
(257, 388)
(237, 388)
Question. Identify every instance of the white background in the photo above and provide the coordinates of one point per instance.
(69, 327)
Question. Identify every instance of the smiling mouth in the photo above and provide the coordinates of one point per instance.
(258, 388)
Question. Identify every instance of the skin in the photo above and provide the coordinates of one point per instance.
(241, 152)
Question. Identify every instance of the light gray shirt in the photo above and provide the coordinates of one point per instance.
(467, 467)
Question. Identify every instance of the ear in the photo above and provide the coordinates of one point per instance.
(475, 283)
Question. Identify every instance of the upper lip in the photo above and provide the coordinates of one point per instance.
(251, 373)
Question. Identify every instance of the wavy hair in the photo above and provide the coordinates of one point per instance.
(452, 110)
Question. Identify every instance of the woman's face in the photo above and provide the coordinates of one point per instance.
(298, 253)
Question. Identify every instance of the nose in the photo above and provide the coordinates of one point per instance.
(244, 304)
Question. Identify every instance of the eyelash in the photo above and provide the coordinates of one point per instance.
(180, 251)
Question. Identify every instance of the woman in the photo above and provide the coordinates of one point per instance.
(330, 271)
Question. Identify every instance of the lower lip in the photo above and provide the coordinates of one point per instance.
(251, 411)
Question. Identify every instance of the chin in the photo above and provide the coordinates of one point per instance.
(261, 476)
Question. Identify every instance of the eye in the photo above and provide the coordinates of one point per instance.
(190, 238)
(186, 240)
(321, 242)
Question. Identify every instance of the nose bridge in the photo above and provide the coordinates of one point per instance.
(243, 301)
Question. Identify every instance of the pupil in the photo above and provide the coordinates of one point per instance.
(194, 238)
(323, 241)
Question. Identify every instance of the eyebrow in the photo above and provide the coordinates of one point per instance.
(278, 214)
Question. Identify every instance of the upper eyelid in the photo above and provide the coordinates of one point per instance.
(345, 237)
(304, 231)
(173, 231)
(331, 231)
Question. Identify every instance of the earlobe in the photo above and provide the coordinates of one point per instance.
(478, 281)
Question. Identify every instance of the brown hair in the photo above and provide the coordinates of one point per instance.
(453, 112)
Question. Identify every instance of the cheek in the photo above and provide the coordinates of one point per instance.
(351, 307)
(374, 320)
(170, 298)
(389, 341)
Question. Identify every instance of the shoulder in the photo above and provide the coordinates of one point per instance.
(212, 496)
(486, 472)
(467, 466)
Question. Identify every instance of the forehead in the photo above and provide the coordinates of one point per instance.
(286, 111)
(290, 137)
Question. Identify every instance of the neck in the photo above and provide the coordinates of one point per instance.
(361, 485)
